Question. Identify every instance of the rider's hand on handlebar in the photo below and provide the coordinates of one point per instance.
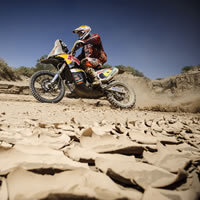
(79, 44)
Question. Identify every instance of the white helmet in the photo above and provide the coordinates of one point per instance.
(82, 31)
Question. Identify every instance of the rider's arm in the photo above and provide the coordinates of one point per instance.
(94, 39)
(82, 55)
(79, 44)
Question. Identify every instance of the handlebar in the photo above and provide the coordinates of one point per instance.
(74, 48)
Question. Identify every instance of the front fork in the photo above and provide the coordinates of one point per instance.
(50, 84)
(70, 86)
(58, 73)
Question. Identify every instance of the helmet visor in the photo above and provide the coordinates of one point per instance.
(80, 33)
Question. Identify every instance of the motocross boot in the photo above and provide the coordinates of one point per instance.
(93, 75)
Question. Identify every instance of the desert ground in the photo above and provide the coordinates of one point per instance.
(86, 149)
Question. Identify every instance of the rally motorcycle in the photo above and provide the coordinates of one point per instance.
(49, 87)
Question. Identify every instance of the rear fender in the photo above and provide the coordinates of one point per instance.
(107, 74)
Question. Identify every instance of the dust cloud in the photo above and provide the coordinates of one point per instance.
(149, 99)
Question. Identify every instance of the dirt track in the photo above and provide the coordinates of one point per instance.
(87, 111)
(102, 152)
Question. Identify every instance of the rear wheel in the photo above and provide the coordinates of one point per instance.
(120, 95)
(45, 91)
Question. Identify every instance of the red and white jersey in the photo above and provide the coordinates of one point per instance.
(93, 48)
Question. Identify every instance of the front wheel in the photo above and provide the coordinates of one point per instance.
(45, 91)
(120, 95)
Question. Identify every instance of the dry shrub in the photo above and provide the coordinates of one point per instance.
(7, 73)
(25, 71)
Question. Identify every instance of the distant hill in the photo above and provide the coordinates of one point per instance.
(177, 84)
(176, 93)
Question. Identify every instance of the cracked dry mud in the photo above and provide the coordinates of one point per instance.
(84, 149)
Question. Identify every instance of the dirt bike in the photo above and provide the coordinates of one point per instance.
(49, 87)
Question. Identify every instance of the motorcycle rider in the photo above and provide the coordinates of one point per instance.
(93, 55)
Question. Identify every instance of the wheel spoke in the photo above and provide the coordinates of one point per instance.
(124, 99)
(42, 88)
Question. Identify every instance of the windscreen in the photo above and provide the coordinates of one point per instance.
(57, 49)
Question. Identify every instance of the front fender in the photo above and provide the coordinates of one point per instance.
(53, 61)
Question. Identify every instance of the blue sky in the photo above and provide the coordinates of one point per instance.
(156, 37)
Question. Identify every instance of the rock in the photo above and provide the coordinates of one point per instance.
(29, 157)
(5, 86)
(14, 89)
(81, 154)
(172, 130)
(156, 127)
(188, 191)
(148, 122)
(184, 147)
(142, 138)
(111, 144)
(98, 130)
(82, 183)
(167, 159)
(3, 189)
(35, 136)
(101, 158)
(5, 145)
(66, 127)
(161, 194)
(140, 124)
(141, 173)
(119, 128)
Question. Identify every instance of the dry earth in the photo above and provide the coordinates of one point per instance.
(85, 149)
